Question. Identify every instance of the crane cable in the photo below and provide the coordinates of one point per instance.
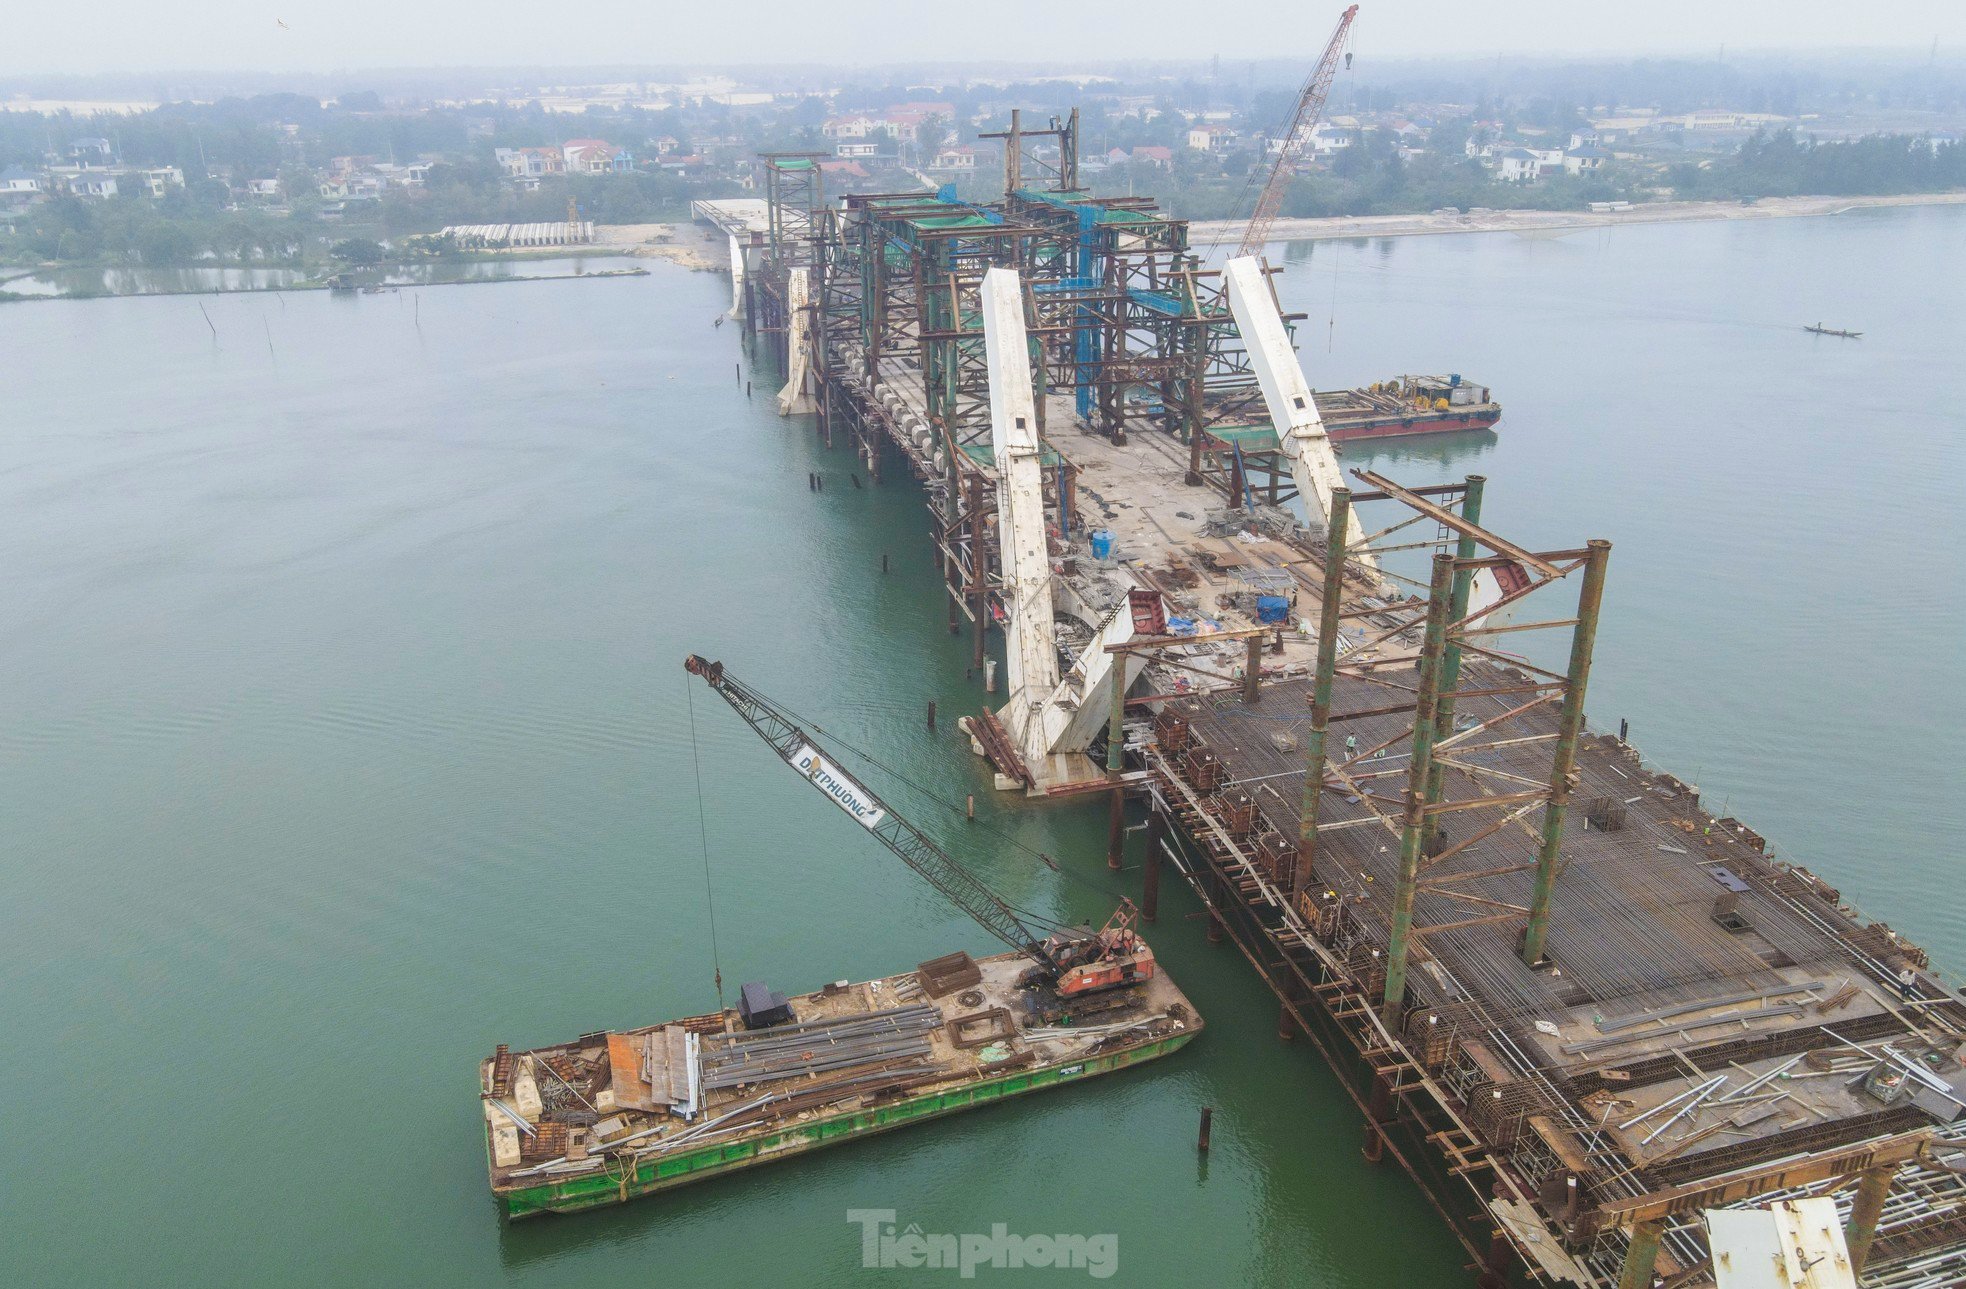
(1251, 185)
(703, 831)
(1254, 179)
(1253, 182)
(1351, 91)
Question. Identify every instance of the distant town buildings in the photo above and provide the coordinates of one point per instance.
(91, 152)
(705, 141)
(530, 165)
(841, 128)
(595, 157)
(86, 168)
(1520, 165)
(898, 123)
(158, 180)
(1211, 138)
(959, 159)
(19, 181)
(1332, 136)
(1584, 160)
(1152, 155)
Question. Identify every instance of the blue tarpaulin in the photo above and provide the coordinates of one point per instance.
(1272, 608)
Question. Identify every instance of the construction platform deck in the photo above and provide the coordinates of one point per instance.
(1680, 959)
(1753, 968)
(1809, 1050)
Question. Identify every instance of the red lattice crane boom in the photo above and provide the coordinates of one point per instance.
(1310, 106)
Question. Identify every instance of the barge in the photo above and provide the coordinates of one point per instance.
(1407, 406)
(616, 1115)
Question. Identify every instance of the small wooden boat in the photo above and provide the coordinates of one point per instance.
(1821, 330)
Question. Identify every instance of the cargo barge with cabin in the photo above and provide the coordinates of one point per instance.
(1407, 406)
(616, 1115)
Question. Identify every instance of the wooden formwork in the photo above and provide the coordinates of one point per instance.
(1171, 730)
(1276, 856)
(1202, 768)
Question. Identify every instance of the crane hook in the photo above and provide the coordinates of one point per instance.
(1348, 60)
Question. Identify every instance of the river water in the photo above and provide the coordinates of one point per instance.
(79, 282)
(343, 734)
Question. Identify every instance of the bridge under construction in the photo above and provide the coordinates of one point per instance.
(1576, 1006)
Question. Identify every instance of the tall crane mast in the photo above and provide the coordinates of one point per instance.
(1310, 106)
(1073, 962)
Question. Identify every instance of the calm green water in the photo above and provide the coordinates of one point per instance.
(54, 283)
(84, 282)
(343, 735)
(1782, 620)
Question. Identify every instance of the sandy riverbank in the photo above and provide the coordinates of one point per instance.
(699, 247)
(1205, 232)
(694, 246)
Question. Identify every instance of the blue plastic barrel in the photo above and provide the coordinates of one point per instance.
(1102, 543)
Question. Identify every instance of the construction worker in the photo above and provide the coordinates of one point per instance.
(1351, 746)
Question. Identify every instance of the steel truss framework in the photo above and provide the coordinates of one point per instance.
(1122, 315)
(1440, 1072)
(1450, 632)
(1119, 310)
(795, 203)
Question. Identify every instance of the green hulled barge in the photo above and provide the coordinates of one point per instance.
(616, 1115)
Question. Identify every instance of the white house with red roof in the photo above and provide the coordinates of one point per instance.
(595, 157)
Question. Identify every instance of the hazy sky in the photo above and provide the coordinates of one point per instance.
(324, 35)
